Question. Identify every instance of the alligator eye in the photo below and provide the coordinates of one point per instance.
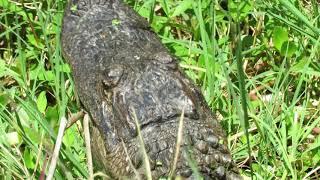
(112, 76)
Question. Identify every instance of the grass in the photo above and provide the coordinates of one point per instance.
(259, 57)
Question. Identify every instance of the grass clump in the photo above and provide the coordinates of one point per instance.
(278, 56)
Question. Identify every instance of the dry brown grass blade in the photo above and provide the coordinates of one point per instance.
(55, 154)
(143, 149)
(88, 147)
(178, 145)
(307, 176)
(74, 118)
(130, 163)
(100, 174)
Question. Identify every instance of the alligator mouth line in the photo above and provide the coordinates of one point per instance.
(160, 121)
(175, 118)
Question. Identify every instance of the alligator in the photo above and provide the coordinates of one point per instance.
(133, 89)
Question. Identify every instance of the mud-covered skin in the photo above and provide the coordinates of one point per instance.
(120, 69)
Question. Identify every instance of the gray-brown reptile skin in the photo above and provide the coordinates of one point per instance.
(120, 68)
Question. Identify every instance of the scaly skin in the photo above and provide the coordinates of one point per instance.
(120, 68)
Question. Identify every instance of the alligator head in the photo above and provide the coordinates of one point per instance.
(124, 74)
